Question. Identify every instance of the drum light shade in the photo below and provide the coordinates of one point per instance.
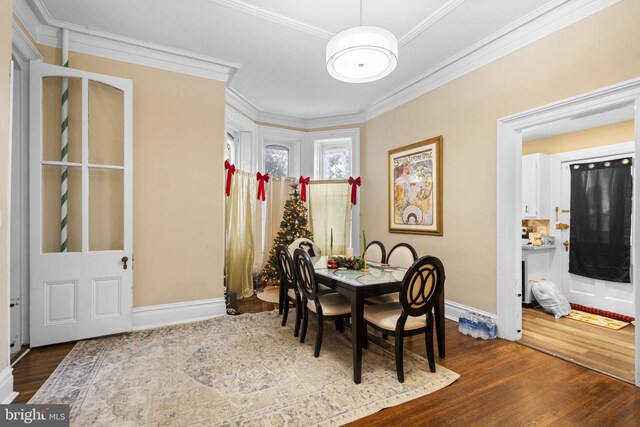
(362, 54)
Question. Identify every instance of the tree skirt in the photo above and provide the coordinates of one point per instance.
(270, 294)
(230, 370)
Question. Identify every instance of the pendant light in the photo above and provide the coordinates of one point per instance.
(362, 54)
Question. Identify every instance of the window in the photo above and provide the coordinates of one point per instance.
(276, 160)
(333, 159)
(230, 148)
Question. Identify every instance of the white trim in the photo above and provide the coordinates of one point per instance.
(453, 311)
(429, 21)
(530, 28)
(6, 386)
(509, 194)
(275, 17)
(155, 316)
(22, 45)
(120, 48)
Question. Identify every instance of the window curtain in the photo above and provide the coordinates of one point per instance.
(239, 217)
(277, 195)
(330, 208)
(600, 237)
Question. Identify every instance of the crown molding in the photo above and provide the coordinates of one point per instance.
(241, 104)
(275, 17)
(45, 30)
(532, 27)
(431, 20)
(22, 45)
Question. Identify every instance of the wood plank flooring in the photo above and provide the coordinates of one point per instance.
(502, 383)
(604, 350)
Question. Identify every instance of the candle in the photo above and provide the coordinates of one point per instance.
(364, 241)
(331, 243)
(349, 253)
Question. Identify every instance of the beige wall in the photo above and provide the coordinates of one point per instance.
(6, 14)
(588, 138)
(598, 51)
(178, 189)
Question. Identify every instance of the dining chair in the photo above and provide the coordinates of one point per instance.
(376, 252)
(401, 255)
(325, 306)
(288, 289)
(421, 289)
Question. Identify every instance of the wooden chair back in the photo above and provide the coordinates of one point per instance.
(305, 274)
(402, 255)
(285, 266)
(308, 245)
(422, 286)
(376, 252)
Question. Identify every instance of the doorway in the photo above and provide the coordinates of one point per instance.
(509, 182)
(597, 151)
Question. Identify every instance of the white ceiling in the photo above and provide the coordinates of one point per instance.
(279, 45)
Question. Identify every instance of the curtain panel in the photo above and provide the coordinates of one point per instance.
(600, 236)
(277, 195)
(330, 208)
(240, 209)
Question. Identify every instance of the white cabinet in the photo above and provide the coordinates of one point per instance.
(535, 186)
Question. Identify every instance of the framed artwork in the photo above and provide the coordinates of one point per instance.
(415, 188)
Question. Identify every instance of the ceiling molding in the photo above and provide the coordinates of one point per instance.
(242, 104)
(534, 26)
(275, 17)
(100, 43)
(432, 19)
(21, 44)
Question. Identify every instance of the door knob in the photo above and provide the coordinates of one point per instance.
(124, 260)
(565, 244)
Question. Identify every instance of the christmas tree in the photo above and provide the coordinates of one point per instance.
(294, 225)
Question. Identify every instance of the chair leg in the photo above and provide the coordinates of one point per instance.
(339, 325)
(385, 336)
(285, 314)
(280, 299)
(399, 361)
(305, 322)
(316, 349)
(296, 329)
(429, 343)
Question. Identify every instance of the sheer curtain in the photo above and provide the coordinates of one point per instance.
(277, 195)
(330, 208)
(240, 209)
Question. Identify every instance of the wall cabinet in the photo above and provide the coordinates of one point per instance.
(535, 186)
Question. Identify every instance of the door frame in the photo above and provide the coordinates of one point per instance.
(23, 52)
(509, 194)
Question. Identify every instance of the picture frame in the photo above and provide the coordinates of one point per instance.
(415, 188)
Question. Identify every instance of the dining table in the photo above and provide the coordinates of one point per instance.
(357, 285)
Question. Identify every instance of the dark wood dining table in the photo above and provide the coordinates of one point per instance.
(357, 285)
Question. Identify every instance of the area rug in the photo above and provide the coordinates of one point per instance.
(270, 294)
(231, 370)
(594, 319)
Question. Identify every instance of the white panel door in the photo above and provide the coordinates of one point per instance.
(602, 294)
(81, 285)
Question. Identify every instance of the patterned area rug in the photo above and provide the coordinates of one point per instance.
(231, 370)
(595, 319)
(270, 294)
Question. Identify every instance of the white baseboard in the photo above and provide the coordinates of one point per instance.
(6, 386)
(453, 311)
(155, 316)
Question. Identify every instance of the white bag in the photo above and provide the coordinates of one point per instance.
(550, 298)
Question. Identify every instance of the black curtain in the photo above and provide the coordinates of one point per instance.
(600, 245)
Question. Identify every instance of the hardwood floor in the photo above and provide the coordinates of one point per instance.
(501, 383)
(604, 350)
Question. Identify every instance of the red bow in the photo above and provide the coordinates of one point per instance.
(354, 189)
(261, 180)
(303, 188)
(231, 169)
